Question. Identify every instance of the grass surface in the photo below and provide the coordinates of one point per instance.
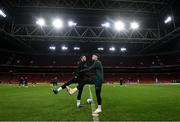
(127, 102)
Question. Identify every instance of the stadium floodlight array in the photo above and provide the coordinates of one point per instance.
(2, 13)
(64, 48)
(118, 25)
(112, 49)
(40, 22)
(71, 23)
(52, 48)
(57, 23)
(100, 48)
(106, 25)
(168, 19)
(76, 48)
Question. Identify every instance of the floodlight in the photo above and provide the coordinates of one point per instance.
(168, 19)
(112, 49)
(40, 22)
(119, 25)
(100, 48)
(2, 13)
(64, 48)
(134, 25)
(106, 25)
(52, 48)
(57, 23)
(71, 23)
(76, 48)
(123, 49)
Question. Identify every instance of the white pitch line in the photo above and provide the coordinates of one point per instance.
(93, 107)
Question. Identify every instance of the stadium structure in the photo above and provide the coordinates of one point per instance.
(138, 40)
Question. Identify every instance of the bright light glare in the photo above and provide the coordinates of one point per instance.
(134, 25)
(76, 48)
(106, 25)
(40, 22)
(123, 49)
(2, 13)
(57, 23)
(112, 49)
(169, 19)
(52, 48)
(100, 48)
(119, 26)
(64, 48)
(71, 23)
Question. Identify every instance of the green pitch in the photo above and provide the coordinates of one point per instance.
(127, 102)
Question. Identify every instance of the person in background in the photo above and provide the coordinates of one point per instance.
(21, 81)
(26, 81)
(54, 81)
(121, 81)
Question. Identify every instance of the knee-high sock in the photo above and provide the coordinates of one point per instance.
(98, 96)
(78, 102)
(59, 89)
(79, 93)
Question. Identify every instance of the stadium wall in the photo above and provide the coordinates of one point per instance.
(109, 77)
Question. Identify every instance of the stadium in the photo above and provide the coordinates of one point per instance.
(124, 54)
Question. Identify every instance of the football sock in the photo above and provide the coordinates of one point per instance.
(59, 89)
(99, 107)
(78, 102)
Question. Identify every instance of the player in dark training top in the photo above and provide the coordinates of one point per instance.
(78, 78)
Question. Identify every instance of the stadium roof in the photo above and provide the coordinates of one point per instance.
(20, 32)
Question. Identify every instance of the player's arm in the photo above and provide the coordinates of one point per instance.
(95, 64)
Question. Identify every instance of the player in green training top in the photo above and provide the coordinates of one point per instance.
(96, 79)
